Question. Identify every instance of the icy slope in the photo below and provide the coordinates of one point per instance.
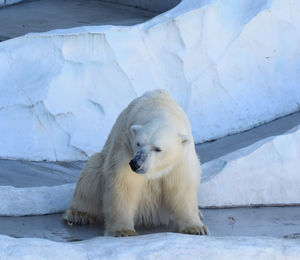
(230, 64)
(162, 246)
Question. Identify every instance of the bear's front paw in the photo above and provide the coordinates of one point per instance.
(195, 230)
(125, 233)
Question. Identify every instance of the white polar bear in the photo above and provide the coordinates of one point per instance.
(148, 172)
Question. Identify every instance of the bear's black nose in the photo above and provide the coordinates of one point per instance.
(134, 165)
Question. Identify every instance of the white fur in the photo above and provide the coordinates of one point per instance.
(108, 190)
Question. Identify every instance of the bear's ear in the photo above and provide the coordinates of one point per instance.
(184, 139)
(134, 129)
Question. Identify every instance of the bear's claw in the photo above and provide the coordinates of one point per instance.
(125, 233)
(75, 217)
(196, 230)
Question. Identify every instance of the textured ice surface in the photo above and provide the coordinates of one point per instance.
(265, 173)
(231, 65)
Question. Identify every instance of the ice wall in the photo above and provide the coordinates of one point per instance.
(231, 65)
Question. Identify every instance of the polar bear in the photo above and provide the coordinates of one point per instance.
(147, 173)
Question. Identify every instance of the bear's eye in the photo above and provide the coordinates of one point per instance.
(157, 149)
(137, 144)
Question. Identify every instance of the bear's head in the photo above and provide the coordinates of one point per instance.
(156, 149)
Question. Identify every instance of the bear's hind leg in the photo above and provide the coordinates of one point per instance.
(77, 217)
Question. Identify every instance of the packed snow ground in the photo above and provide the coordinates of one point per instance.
(156, 246)
(231, 66)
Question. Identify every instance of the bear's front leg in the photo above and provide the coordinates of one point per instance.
(187, 217)
(185, 211)
(180, 197)
(120, 203)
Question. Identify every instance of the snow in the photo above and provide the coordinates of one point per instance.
(265, 173)
(230, 65)
(162, 246)
(35, 200)
(8, 2)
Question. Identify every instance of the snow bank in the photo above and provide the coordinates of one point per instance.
(8, 2)
(265, 173)
(231, 65)
(156, 246)
(35, 200)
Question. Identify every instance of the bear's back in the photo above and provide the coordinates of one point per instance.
(159, 99)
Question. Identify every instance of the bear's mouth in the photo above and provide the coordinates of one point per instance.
(140, 171)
